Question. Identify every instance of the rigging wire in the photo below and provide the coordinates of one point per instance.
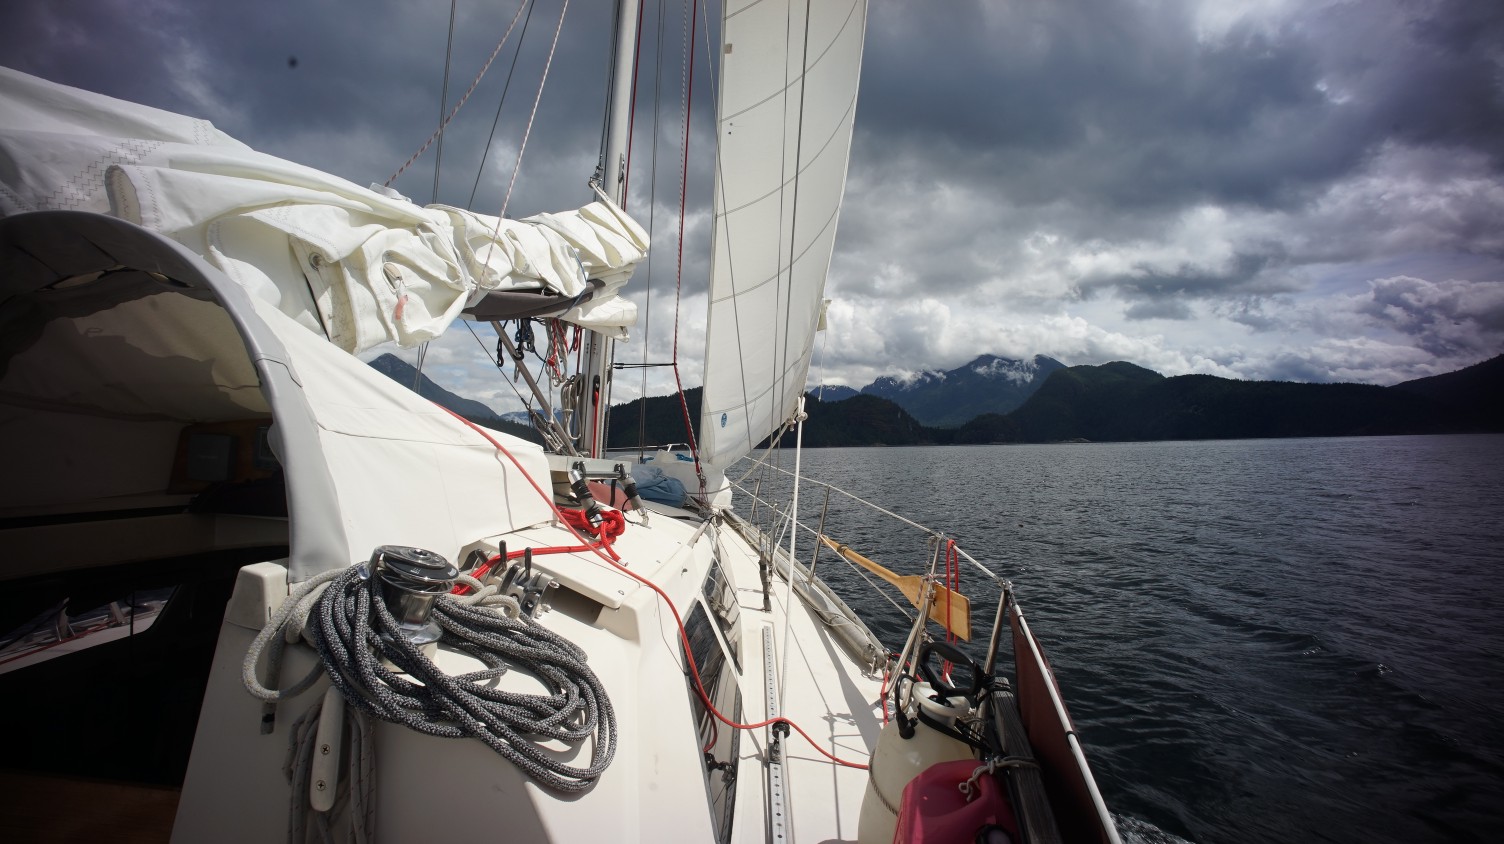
(601, 165)
(496, 362)
(438, 155)
(824, 341)
(418, 370)
(457, 106)
(788, 593)
(505, 88)
(549, 438)
(516, 168)
(886, 512)
(778, 349)
(799, 414)
(626, 171)
(725, 243)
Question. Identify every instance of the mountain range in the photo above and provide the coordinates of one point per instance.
(951, 398)
(407, 375)
(1112, 401)
(1122, 401)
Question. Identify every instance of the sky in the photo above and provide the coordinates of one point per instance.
(1255, 189)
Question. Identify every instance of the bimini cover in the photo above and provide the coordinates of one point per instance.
(112, 332)
(361, 267)
(404, 470)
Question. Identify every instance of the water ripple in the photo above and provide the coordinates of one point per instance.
(1290, 640)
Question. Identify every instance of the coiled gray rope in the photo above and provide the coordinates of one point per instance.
(284, 627)
(432, 702)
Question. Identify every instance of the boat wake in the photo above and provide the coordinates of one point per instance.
(1135, 831)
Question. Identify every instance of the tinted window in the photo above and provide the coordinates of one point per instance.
(718, 743)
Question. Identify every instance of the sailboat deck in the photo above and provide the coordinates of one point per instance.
(827, 694)
(656, 789)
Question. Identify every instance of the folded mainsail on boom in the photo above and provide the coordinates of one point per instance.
(360, 266)
(789, 74)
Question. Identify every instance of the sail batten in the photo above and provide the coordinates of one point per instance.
(787, 100)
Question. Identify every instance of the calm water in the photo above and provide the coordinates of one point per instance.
(1263, 640)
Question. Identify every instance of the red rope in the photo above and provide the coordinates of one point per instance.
(613, 524)
(953, 584)
(678, 620)
(887, 674)
(552, 363)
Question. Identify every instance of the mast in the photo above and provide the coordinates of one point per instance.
(598, 351)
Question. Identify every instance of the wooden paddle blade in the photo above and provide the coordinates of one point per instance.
(959, 607)
(949, 609)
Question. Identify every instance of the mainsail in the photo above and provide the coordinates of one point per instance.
(789, 74)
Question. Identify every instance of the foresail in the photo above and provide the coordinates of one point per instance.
(787, 98)
(359, 266)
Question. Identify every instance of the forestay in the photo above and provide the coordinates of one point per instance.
(789, 74)
(359, 266)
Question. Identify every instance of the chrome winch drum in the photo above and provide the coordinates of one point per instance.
(411, 580)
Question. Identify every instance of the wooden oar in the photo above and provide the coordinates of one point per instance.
(912, 586)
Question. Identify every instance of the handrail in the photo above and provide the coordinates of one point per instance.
(862, 644)
(886, 512)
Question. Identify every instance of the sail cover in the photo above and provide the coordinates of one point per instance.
(359, 266)
(789, 73)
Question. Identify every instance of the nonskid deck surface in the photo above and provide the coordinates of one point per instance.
(827, 694)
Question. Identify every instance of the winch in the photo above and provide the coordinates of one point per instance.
(411, 580)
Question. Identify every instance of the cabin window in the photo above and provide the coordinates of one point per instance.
(720, 596)
(717, 743)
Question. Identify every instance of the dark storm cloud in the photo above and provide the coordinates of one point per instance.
(1445, 319)
(1244, 273)
(1164, 154)
(1129, 105)
(364, 92)
(1252, 312)
(1160, 309)
(1027, 177)
(1106, 104)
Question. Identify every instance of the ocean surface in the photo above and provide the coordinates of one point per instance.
(1259, 640)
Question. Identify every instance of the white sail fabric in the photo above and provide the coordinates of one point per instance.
(357, 265)
(786, 103)
(404, 470)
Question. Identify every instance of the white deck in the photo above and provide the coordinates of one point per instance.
(828, 695)
(655, 790)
